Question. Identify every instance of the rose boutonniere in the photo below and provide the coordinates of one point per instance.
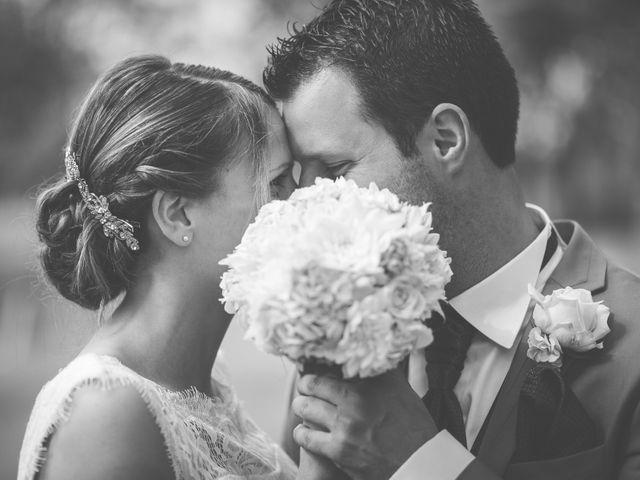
(566, 319)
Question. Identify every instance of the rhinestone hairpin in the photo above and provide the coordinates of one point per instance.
(98, 205)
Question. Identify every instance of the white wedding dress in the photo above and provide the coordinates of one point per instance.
(206, 438)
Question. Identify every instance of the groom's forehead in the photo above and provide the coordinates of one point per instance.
(325, 114)
(326, 94)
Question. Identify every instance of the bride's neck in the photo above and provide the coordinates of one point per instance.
(167, 328)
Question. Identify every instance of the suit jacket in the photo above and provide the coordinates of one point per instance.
(606, 382)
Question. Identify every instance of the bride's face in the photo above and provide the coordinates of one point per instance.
(221, 219)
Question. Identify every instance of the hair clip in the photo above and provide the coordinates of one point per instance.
(98, 205)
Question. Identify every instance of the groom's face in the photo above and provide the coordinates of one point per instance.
(330, 137)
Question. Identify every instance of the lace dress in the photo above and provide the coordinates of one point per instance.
(206, 438)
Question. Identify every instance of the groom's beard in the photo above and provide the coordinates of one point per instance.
(415, 186)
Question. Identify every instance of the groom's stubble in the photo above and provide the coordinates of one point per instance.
(415, 184)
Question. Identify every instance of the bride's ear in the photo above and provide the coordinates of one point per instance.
(450, 135)
(171, 214)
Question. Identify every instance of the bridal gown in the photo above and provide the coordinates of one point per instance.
(206, 438)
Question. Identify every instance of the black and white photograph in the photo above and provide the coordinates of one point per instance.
(320, 240)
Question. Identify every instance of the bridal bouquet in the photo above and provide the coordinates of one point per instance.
(338, 275)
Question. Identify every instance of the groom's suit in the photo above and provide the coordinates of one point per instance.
(606, 382)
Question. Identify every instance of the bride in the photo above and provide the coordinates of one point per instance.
(165, 166)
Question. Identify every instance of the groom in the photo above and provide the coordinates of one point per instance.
(417, 96)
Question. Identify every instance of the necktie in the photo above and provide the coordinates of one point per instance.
(452, 336)
(445, 357)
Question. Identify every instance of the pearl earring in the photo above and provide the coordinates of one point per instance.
(185, 238)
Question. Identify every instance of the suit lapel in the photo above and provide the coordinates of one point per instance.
(582, 266)
(495, 443)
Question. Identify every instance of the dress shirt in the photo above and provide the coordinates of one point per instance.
(497, 307)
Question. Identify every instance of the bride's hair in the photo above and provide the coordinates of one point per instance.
(146, 125)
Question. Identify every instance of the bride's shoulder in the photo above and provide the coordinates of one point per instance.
(106, 431)
(86, 370)
(93, 416)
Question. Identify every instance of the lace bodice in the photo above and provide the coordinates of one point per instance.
(206, 438)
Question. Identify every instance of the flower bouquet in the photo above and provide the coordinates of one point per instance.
(338, 276)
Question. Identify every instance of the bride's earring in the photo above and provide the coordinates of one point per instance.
(186, 238)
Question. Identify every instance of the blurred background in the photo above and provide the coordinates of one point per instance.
(579, 144)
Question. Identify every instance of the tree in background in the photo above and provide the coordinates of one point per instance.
(576, 61)
(579, 71)
(37, 77)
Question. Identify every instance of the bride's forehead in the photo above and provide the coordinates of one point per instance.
(277, 152)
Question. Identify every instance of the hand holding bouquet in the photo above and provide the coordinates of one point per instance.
(338, 275)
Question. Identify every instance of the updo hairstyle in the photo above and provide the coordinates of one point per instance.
(146, 125)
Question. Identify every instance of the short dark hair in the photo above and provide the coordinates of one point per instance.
(147, 125)
(405, 57)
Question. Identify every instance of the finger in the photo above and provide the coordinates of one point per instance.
(329, 389)
(314, 441)
(315, 411)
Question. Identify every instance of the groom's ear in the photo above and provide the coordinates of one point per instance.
(450, 134)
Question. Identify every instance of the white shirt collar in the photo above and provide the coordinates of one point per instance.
(497, 305)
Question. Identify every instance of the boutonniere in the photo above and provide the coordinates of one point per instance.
(568, 319)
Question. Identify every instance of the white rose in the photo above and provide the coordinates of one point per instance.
(405, 298)
(395, 259)
(572, 317)
(543, 347)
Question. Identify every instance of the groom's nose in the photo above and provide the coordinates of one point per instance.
(309, 171)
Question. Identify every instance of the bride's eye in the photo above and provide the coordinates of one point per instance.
(278, 184)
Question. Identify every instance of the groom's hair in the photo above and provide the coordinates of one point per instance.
(405, 57)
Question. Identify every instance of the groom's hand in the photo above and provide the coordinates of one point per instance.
(369, 427)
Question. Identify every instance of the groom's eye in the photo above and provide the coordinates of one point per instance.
(339, 169)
